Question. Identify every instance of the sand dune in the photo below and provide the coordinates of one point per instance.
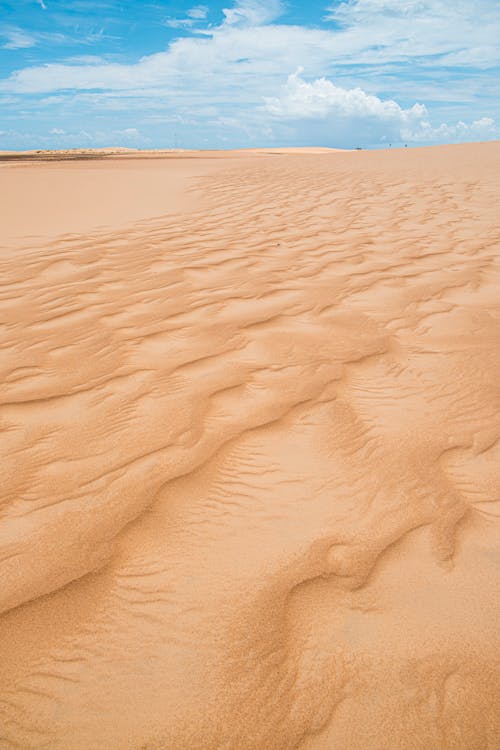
(250, 452)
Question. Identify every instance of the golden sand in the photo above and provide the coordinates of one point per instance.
(250, 436)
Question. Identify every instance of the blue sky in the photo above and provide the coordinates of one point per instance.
(246, 73)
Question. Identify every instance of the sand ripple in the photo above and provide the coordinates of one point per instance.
(250, 465)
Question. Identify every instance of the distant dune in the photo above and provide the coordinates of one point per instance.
(120, 151)
(250, 425)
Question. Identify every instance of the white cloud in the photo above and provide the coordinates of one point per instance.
(193, 17)
(42, 4)
(354, 11)
(396, 30)
(199, 13)
(17, 39)
(250, 13)
(193, 63)
(322, 98)
(483, 129)
(253, 12)
(85, 60)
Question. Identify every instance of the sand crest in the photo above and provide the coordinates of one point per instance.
(250, 436)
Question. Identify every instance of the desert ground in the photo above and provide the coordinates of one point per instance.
(250, 438)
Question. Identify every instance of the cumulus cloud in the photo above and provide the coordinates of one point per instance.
(484, 128)
(385, 119)
(322, 98)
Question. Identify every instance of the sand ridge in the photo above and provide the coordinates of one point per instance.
(250, 463)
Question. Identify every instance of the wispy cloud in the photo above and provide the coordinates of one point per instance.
(194, 16)
(253, 12)
(42, 4)
(17, 39)
(397, 30)
(85, 60)
(198, 13)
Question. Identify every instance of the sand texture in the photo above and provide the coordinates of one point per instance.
(250, 437)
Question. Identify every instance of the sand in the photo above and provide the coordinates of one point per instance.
(250, 435)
